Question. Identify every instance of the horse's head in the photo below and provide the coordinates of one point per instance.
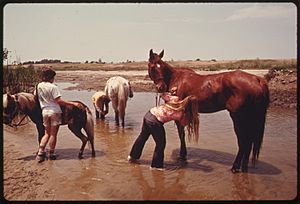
(156, 70)
(101, 101)
(10, 108)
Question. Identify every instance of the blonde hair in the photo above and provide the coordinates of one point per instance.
(190, 107)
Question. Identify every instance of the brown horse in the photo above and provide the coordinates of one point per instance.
(244, 95)
(75, 118)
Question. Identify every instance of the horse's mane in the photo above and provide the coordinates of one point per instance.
(190, 106)
(168, 70)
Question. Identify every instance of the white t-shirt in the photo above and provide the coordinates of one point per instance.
(47, 93)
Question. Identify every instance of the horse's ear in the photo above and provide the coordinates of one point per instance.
(10, 97)
(161, 54)
(151, 54)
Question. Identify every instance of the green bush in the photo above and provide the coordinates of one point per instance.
(20, 79)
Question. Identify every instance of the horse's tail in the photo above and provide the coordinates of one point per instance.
(258, 137)
(122, 99)
(89, 126)
(265, 93)
(260, 120)
(193, 125)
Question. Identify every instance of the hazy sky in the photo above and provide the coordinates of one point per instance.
(120, 32)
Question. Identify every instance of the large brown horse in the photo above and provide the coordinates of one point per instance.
(76, 118)
(244, 95)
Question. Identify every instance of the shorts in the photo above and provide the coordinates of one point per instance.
(51, 119)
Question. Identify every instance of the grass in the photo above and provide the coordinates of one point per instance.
(207, 65)
(24, 78)
(18, 79)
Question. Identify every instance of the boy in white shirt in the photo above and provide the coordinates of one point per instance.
(50, 100)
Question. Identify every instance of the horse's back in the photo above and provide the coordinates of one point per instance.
(226, 90)
(248, 89)
(246, 83)
(75, 115)
(116, 86)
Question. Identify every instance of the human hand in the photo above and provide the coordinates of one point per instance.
(78, 105)
(173, 91)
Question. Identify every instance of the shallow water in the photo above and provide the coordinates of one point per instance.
(206, 176)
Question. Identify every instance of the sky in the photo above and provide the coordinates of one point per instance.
(117, 32)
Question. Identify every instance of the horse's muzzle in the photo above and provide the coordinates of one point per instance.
(6, 120)
(161, 88)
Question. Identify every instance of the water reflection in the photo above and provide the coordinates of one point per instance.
(243, 187)
(157, 186)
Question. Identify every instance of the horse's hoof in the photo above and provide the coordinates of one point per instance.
(183, 159)
(93, 154)
(234, 170)
(80, 156)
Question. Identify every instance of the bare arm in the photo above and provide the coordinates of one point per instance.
(60, 101)
(168, 97)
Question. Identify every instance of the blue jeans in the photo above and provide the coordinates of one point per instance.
(156, 128)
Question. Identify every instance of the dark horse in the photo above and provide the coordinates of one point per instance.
(75, 118)
(244, 95)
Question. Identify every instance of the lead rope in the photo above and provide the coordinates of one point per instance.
(157, 99)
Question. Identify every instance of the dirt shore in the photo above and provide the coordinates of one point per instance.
(282, 85)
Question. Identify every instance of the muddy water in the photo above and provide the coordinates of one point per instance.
(206, 176)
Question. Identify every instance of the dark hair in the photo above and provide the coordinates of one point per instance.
(47, 74)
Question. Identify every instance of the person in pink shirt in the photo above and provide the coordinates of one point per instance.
(185, 111)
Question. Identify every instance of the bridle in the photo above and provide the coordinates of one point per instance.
(14, 113)
(156, 80)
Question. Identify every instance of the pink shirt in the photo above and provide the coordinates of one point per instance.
(164, 114)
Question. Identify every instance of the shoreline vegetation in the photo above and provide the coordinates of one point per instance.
(281, 74)
(200, 65)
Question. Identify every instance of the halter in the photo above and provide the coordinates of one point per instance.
(157, 99)
(14, 112)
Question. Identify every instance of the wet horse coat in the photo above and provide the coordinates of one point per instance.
(244, 95)
(118, 89)
(75, 118)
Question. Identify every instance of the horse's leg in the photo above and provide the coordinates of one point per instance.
(117, 117)
(97, 114)
(122, 106)
(245, 159)
(239, 131)
(41, 131)
(77, 132)
(115, 107)
(181, 133)
(38, 120)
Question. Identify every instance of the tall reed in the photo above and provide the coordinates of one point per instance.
(20, 79)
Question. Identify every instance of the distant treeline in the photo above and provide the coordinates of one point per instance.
(45, 61)
(20, 79)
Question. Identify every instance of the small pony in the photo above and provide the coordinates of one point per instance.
(118, 89)
(100, 102)
(75, 118)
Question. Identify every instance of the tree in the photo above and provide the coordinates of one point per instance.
(5, 54)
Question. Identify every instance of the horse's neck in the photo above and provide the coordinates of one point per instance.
(168, 72)
(26, 103)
